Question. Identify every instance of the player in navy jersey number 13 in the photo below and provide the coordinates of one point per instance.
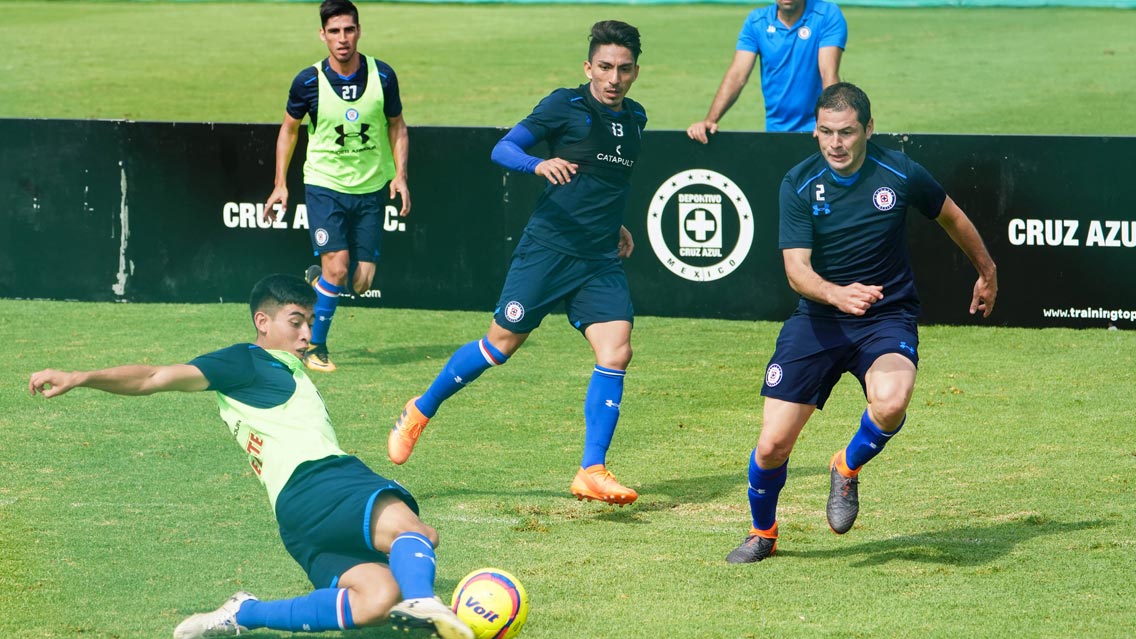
(357, 144)
(569, 254)
(842, 237)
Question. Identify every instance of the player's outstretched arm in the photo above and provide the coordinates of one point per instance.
(132, 379)
(965, 235)
(733, 82)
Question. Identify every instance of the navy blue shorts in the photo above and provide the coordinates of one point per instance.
(813, 352)
(540, 278)
(324, 512)
(341, 221)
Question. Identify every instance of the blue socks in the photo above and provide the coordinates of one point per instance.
(324, 609)
(764, 488)
(411, 560)
(601, 412)
(327, 298)
(868, 442)
(465, 365)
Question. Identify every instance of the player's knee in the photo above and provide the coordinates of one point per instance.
(335, 273)
(618, 357)
(888, 413)
(371, 603)
(772, 453)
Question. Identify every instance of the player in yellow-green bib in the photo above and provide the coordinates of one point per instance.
(355, 533)
(357, 144)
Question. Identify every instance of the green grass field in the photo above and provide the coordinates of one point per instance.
(1047, 71)
(1004, 509)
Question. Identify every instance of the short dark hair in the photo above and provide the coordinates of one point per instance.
(845, 95)
(331, 8)
(275, 291)
(615, 32)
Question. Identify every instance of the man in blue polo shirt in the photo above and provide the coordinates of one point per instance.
(800, 43)
(843, 241)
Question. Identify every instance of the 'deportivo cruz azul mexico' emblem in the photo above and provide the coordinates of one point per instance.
(700, 225)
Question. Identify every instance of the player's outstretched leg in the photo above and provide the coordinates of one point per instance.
(222, 622)
(843, 495)
(465, 365)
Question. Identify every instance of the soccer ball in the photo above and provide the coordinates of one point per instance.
(492, 602)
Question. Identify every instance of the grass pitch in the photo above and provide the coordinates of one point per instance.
(1004, 509)
(953, 70)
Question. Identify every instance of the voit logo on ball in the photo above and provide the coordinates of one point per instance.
(700, 225)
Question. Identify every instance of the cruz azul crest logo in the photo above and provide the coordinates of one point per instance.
(700, 225)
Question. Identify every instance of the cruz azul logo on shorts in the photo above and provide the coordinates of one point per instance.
(700, 225)
(514, 311)
(773, 375)
(351, 115)
(884, 199)
(321, 237)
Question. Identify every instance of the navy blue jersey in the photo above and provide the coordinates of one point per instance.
(303, 97)
(582, 218)
(855, 226)
(249, 374)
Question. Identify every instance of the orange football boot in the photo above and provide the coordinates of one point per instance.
(404, 434)
(598, 484)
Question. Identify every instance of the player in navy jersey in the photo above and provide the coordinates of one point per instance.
(843, 215)
(569, 254)
(357, 144)
(800, 43)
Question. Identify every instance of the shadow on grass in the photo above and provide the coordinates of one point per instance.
(963, 546)
(395, 355)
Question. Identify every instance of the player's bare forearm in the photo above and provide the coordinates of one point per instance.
(131, 379)
(728, 91)
(285, 146)
(964, 234)
(399, 135)
(854, 299)
(828, 63)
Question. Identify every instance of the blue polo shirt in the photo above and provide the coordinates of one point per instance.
(856, 225)
(790, 78)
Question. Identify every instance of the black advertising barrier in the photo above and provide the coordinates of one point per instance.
(170, 212)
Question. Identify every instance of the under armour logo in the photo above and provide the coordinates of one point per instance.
(822, 208)
(361, 134)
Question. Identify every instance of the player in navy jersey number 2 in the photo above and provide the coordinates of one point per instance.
(569, 254)
(842, 237)
(357, 144)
